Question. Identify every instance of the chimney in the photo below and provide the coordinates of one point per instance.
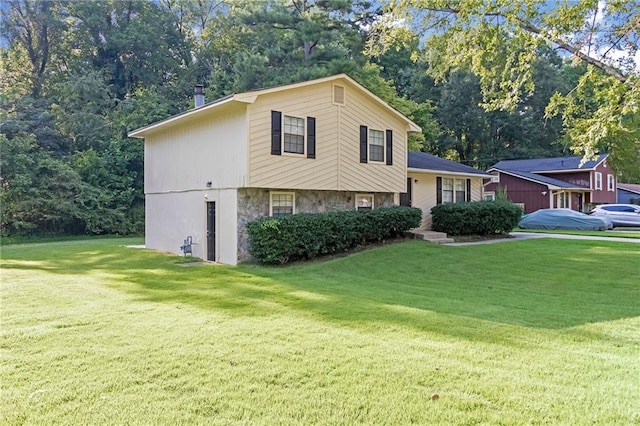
(199, 95)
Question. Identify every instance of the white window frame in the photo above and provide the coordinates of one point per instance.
(367, 198)
(454, 198)
(370, 144)
(278, 193)
(285, 133)
(611, 182)
(597, 177)
(489, 196)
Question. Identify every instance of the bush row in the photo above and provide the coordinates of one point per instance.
(305, 236)
(477, 218)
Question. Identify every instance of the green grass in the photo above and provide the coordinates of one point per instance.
(525, 332)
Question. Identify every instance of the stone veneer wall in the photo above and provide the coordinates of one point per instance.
(254, 203)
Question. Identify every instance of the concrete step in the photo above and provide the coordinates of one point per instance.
(432, 236)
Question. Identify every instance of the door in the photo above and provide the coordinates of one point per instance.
(211, 231)
(406, 197)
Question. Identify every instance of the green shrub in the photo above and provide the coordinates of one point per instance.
(477, 218)
(305, 236)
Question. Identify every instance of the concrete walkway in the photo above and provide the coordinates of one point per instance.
(529, 235)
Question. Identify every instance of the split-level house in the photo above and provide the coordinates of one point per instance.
(561, 182)
(322, 145)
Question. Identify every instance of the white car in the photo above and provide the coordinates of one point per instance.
(619, 214)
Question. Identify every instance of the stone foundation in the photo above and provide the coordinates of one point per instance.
(254, 203)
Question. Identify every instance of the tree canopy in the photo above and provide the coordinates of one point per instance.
(485, 80)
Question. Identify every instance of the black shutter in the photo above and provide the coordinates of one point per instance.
(276, 132)
(389, 147)
(468, 190)
(363, 144)
(438, 190)
(311, 137)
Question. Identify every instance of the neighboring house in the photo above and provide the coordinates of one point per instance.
(562, 182)
(433, 180)
(628, 193)
(317, 146)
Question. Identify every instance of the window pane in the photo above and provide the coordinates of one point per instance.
(281, 204)
(364, 202)
(376, 145)
(447, 190)
(293, 135)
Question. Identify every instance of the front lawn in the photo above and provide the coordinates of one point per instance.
(525, 332)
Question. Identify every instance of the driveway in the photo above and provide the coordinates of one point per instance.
(528, 235)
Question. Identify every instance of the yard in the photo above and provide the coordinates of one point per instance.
(523, 332)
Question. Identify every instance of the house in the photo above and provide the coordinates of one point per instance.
(628, 193)
(317, 146)
(433, 180)
(562, 182)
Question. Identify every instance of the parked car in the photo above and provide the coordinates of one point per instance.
(619, 214)
(564, 219)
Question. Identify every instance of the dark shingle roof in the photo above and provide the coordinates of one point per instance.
(420, 160)
(543, 179)
(548, 164)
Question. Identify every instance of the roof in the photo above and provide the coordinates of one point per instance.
(420, 161)
(250, 97)
(557, 164)
(544, 180)
(631, 187)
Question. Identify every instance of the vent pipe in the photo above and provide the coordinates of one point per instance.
(198, 97)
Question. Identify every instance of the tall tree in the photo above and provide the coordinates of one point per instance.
(499, 41)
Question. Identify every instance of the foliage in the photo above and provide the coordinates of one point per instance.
(501, 41)
(477, 218)
(305, 236)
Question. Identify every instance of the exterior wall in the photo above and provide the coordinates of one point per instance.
(424, 193)
(254, 203)
(603, 196)
(171, 217)
(524, 191)
(337, 164)
(187, 156)
(626, 197)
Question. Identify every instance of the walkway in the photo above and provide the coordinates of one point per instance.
(529, 235)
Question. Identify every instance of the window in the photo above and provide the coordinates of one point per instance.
(598, 180)
(364, 201)
(454, 190)
(288, 135)
(293, 135)
(611, 183)
(282, 204)
(563, 200)
(489, 196)
(376, 145)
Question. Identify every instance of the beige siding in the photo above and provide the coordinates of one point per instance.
(336, 166)
(187, 156)
(425, 193)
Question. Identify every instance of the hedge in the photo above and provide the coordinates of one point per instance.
(476, 218)
(305, 236)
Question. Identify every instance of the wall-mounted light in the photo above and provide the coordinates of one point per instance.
(544, 192)
(209, 183)
(415, 180)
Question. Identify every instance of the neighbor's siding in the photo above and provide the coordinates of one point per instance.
(337, 165)
(524, 191)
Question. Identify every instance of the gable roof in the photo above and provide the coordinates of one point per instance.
(631, 187)
(546, 165)
(250, 97)
(422, 162)
(551, 183)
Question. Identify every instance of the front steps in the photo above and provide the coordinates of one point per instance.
(432, 236)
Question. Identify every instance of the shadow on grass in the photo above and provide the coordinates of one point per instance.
(540, 283)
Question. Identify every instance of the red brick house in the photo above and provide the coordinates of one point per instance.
(561, 182)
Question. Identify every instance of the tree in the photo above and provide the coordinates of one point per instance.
(500, 41)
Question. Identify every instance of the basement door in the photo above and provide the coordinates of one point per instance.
(406, 197)
(211, 231)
